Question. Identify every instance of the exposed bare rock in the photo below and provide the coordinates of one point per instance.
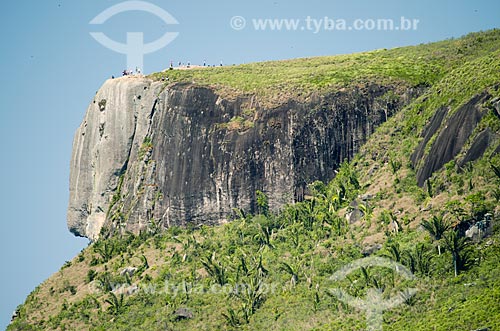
(451, 138)
(112, 131)
(478, 147)
(149, 156)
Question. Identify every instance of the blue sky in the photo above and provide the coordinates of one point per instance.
(51, 67)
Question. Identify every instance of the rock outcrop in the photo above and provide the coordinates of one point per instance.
(114, 127)
(452, 136)
(149, 155)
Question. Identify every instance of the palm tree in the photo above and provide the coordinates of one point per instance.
(418, 259)
(232, 318)
(291, 271)
(262, 203)
(394, 252)
(145, 264)
(436, 228)
(460, 251)
(116, 304)
(105, 249)
(215, 269)
(367, 211)
(308, 209)
(264, 236)
(495, 169)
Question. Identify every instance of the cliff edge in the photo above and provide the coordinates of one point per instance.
(192, 147)
(150, 154)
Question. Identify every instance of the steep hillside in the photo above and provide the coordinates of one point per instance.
(423, 191)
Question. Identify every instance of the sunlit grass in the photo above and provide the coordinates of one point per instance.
(412, 66)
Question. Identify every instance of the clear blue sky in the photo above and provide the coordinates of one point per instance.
(51, 67)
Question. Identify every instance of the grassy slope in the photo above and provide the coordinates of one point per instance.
(308, 242)
(274, 81)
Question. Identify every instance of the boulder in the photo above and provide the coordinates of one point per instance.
(183, 313)
(354, 216)
(371, 249)
(130, 271)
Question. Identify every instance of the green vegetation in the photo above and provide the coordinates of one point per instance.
(422, 65)
(272, 270)
(436, 228)
(245, 284)
(237, 123)
(146, 147)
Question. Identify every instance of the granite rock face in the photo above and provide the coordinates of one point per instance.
(114, 127)
(452, 133)
(149, 156)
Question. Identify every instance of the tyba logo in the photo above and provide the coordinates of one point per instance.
(134, 48)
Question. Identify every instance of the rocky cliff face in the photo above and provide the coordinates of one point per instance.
(452, 132)
(149, 155)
